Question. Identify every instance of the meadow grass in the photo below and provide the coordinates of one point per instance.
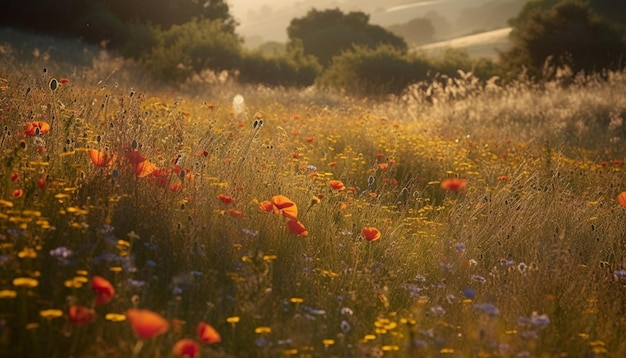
(160, 192)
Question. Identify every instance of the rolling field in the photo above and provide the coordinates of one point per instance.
(217, 220)
(485, 44)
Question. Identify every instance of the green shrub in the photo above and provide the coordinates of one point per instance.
(191, 48)
(290, 69)
(376, 72)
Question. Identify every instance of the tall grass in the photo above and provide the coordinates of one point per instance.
(524, 259)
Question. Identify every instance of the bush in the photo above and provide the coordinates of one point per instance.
(191, 48)
(327, 33)
(378, 72)
(290, 69)
(574, 33)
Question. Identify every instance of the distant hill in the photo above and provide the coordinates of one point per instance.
(485, 44)
(265, 23)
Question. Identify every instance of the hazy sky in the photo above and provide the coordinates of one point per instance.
(267, 20)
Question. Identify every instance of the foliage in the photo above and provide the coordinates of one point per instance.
(487, 221)
(102, 19)
(165, 13)
(192, 47)
(292, 68)
(327, 33)
(574, 33)
(376, 72)
(385, 70)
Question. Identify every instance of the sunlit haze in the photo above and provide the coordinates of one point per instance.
(268, 20)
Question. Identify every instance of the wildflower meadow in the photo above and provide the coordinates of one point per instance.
(462, 219)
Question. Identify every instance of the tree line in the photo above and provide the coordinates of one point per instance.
(178, 38)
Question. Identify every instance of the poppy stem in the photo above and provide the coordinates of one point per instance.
(138, 347)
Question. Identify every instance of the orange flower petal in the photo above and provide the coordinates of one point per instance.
(146, 324)
(186, 348)
(287, 207)
(104, 290)
(621, 198)
(208, 334)
(296, 227)
(281, 201)
(99, 158)
(145, 168)
(370, 233)
(37, 127)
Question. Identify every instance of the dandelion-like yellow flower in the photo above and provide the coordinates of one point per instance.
(390, 348)
(115, 317)
(51, 313)
(369, 337)
(27, 253)
(8, 294)
(263, 330)
(233, 320)
(25, 282)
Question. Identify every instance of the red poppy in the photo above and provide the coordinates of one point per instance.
(37, 127)
(370, 233)
(621, 198)
(225, 198)
(81, 314)
(285, 206)
(100, 159)
(104, 290)
(64, 80)
(18, 193)
(15, 176)
(208, 334)
(332, 164)
(309, 139)
(186, 348)
(146, 324)
(454, 184)
(383, 166)
(336, 184)
(296, 227)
